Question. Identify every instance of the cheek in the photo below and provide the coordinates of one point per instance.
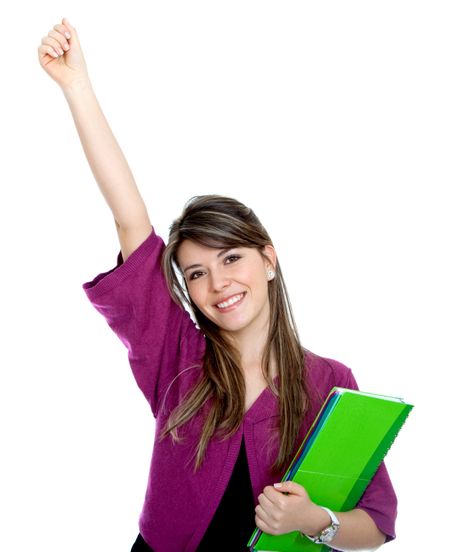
(250, 275)
(263, 290)
(196, 294)
(260, 282)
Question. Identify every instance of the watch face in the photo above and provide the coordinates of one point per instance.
(329, 533)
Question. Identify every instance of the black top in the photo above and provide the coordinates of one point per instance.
(234, 520)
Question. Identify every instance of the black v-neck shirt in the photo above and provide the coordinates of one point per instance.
(234, 520)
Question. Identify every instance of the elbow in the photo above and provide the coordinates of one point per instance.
(376, 537)
(379, 540)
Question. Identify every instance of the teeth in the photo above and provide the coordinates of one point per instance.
(230, 301)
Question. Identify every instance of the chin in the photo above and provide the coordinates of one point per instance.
(233, 327)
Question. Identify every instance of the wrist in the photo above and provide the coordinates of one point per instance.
(319, 520)
(77, 86)
(328, 533)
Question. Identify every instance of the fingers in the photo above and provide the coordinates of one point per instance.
(266, 523)
(59, 36)
(56, 42)
(51, 46)
(265, 502)
(63, 29)
(43, 50)
(290, 487)
(271, 493)
(263, 515)
(70, 28)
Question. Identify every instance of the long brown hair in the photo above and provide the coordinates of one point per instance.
(219, 221)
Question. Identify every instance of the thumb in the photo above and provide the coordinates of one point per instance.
(289, 487)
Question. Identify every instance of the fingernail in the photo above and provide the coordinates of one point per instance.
(278, 485)
(67, 34)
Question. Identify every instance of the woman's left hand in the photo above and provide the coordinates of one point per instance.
(278, 513)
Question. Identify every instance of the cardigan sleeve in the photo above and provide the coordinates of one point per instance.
(379, 499)
(159, 335)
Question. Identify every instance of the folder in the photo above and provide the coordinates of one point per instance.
(339, 456)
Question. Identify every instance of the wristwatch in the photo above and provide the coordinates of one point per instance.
(327, 534)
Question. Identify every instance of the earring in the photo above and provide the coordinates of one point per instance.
(270, 274)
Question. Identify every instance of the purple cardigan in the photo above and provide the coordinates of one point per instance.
(165, 350)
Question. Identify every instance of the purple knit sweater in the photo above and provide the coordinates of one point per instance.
(165, 351)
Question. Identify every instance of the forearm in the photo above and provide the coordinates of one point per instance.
(357, 532)
(107, 162)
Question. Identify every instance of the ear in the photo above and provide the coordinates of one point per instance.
(270, 252)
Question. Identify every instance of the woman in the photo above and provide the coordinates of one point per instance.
(234, 397)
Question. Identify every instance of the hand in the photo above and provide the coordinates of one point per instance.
(278, 513)
(66, 67)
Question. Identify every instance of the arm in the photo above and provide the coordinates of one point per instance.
(60, 55)
(356, 532)
(162, 340)
(287, 507)
(105, 157)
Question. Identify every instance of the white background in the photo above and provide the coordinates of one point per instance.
(331, 120)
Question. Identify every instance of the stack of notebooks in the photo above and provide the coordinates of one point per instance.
(338, 458)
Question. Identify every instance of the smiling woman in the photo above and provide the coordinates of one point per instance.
(234, 397)
(232, 281)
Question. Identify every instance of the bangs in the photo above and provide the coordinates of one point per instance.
(215, 237)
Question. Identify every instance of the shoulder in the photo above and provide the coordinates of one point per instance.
(322, 374)
(325, 373)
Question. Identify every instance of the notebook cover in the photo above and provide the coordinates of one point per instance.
(338, 458)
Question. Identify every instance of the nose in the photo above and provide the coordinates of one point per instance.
(219, 280)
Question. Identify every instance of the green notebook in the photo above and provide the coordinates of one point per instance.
(338, 458)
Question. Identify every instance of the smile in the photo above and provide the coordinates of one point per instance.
(231, 301)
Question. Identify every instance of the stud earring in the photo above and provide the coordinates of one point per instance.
(270, 274)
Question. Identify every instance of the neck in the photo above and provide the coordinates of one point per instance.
(250, 343)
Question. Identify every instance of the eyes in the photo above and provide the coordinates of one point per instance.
(232, 258)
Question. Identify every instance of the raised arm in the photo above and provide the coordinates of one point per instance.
(107, 162)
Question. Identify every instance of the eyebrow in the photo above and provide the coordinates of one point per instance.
(222, 252)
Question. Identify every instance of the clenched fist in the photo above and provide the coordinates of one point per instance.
(289, 508)
(60, 55)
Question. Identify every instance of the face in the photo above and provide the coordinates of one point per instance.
(229, 286)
